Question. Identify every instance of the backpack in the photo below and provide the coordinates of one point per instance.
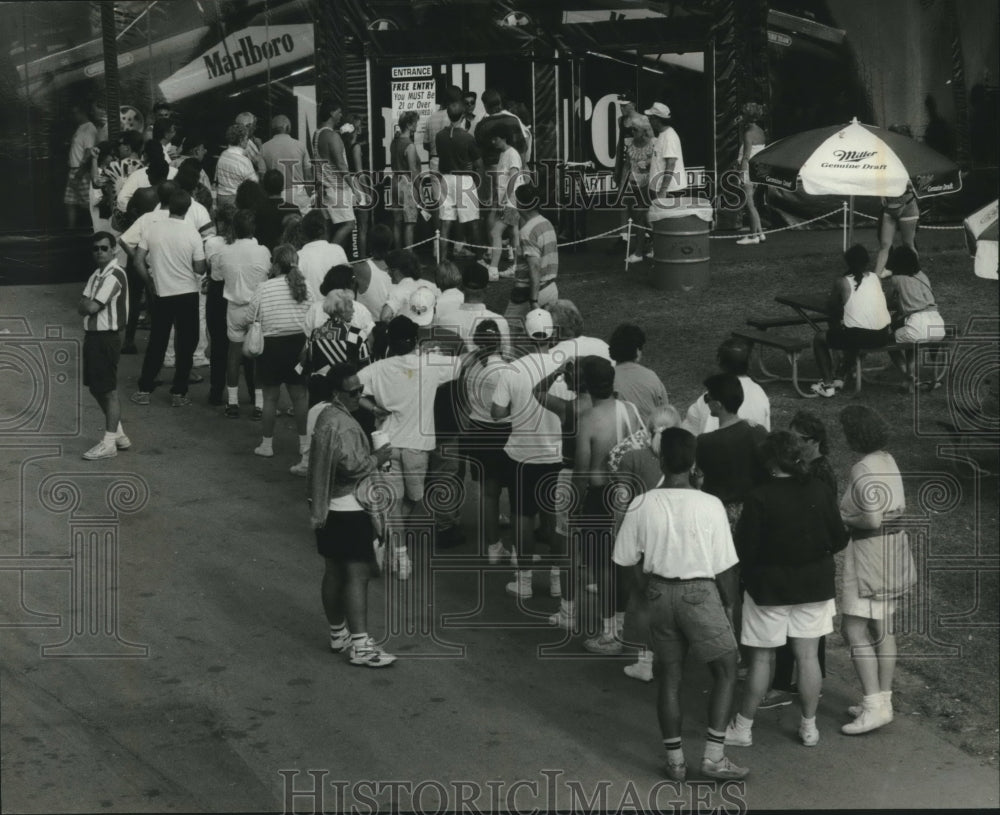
(632, 433)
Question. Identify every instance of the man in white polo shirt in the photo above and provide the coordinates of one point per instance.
(677, 543)
(171, 259)
(318, 255)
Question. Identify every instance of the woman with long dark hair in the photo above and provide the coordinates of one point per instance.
(859, 320)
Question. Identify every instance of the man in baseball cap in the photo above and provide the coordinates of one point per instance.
(667, 176)
(420, 307)
(538, 324)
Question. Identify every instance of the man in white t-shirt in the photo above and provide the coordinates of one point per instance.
(677, 545)
(470, 314)
(318, 255)
(533, 450)
(733, 357)
(404, 268)
(667, 175)
(400, 390)
(170, 258)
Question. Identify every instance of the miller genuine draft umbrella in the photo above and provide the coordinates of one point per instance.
(854, 159)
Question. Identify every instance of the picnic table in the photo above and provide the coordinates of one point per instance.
(810, 307)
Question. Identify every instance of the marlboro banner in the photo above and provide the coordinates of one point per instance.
(241, 55)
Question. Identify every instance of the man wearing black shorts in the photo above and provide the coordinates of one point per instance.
(104, 308)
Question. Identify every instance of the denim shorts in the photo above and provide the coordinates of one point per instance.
(688, 615)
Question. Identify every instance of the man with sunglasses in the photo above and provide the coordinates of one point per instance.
(104, 308)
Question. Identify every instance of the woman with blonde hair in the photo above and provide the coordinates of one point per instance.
(754, 139)
(634, 181)
(281, 306)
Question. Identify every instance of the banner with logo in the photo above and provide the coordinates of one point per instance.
(243, 54)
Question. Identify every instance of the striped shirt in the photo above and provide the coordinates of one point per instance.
(108, 286)
(232, 169)
(273, 305)
(538, 240)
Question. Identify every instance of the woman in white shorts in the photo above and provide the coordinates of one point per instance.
(786, 537)
(874, 495)
(914, 311)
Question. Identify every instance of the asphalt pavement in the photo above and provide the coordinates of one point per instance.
(164, 647)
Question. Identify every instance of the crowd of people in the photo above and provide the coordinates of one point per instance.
(691, 529)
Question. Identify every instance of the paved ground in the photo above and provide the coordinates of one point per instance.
(216, 678)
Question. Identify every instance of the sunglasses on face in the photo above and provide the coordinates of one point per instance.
(355, 392)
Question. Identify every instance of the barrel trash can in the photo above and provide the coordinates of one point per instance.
(681, 260)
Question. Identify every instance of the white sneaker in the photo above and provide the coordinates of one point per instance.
(874, 714)
(822, 389)
(301, 469)
(506, 274)
(635, 258)
(562, 618)
(809, 736)
(555, 584)
(748, 241)
(496, 552)
(494, 274)
(402, 567)
(370, 655)
(122, 442)
(737, 737)
(521, 586)
(642, 669)
(340, 644)
(103, 449)
(261, 450)
(603, 644)
(723, 769)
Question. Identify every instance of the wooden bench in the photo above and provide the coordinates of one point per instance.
(764, 323)
(791, 347)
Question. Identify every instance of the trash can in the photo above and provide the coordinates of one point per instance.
(680, 243)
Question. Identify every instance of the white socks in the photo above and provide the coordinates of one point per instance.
(232, 396)
(304, 444)
(258, 399)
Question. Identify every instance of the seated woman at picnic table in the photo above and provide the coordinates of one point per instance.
(901, 214)
(859, 320)
(911, 301)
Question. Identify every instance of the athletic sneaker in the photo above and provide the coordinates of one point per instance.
(300, 469)
(748, 241)
(723, 769)
(506, 274)
(103, 449)
(635, 258)
(367, 653)
(140, 398)
(641, 670)
(521, 585)
(493, 273)
(340, 643)
(823, 389)
(258, 414)
(677, 772)
(179, 400)
(809, 735)
(736, 737)
(603, 644)
(261, 450)
(122, 442)
(496, 552)
(773, 699)
(562, 619)
(232, 411)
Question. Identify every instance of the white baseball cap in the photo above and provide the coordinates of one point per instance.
(659, 110)
(538, 324)
(420, 307)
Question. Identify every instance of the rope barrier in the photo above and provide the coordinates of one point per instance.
(922, 226)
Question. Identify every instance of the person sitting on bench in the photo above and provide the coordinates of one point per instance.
(859, 320)
(915, 314)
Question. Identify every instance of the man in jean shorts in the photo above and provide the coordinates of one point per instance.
(679, 543)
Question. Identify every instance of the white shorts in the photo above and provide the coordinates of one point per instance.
(924, 326)
(771, 626)
(460, 199)
(236, 325)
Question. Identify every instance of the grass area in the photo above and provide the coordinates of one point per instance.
(958, 513)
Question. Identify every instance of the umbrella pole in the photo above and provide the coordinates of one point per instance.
(850, 223)
(843, 236)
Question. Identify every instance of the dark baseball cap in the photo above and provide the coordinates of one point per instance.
(475, 276)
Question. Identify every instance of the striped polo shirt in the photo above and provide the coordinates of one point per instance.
(273, 305)
(108, 286)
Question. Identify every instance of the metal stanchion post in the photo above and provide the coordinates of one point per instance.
(628, 243)
(437, 245)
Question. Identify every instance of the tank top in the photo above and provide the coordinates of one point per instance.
(397, 154)
(331, 175)
(866, 307)
(377, 293)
